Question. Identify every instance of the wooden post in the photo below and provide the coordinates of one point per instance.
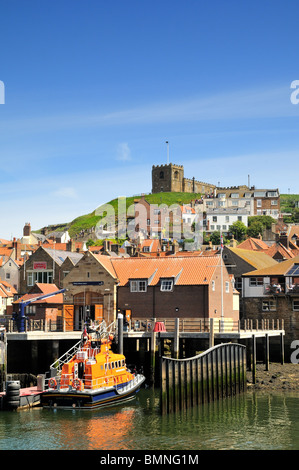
(253, 359)
(282, 348)
(211, 334)
(176, 338)
(3, 359)
(153, 353)
(267, 351)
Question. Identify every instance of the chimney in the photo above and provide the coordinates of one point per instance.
(70, 246)
(27, 230)
(17, 247)
(284, 239)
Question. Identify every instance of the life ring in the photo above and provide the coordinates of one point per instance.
(78, 384)
(52, 383)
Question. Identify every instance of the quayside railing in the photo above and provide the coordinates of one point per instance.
(202, 325)
(214, 374)
(188, 325)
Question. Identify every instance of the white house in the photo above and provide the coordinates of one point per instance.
(221, 219)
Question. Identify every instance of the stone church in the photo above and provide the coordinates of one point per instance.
(170, 178)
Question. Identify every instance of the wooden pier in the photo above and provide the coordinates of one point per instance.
(211, 330)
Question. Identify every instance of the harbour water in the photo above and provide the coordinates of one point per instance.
(251, 421)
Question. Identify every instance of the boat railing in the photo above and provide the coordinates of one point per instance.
(66, 382)
(66, 357)
(102, 331)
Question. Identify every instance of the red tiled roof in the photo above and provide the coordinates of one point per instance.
(253, 244)
(279, 248)
(196, 270)
(7, 289)
(44, 289)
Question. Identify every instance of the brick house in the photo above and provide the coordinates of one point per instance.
(173, 287)
(239, 261)
(273, 293)
(90, 291)
(46, 266)
(169, 287)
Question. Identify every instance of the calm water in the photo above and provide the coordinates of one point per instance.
(246, 422)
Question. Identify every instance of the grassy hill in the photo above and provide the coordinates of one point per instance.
(88, 221)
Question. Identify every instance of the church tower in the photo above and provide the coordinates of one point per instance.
(167, 178)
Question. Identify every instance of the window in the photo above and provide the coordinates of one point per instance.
(138, 286)
(268, 305)
(273, 202)
(234, 195)
(166, 285)
(31, 310)
(259, 203)
(214, 218)
(224, 227)
(44, 277)
(213, 285)
(7, 276)
(296, 305)
(227, 218)
(227, 287)
(235, 203)
(256, 281)
(212, 227)
(240, 218)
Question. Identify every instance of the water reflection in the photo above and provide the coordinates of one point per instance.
(249, 421)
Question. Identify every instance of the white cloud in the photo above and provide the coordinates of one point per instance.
(123, 152)
(66, 192)
(267, 102)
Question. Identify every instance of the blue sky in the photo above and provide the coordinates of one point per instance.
(93, 90)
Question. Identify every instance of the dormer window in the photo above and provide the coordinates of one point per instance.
(166, 285)
(138, 286)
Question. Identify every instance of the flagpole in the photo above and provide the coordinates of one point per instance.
(221, 269)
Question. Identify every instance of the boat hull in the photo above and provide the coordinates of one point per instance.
(90, 399)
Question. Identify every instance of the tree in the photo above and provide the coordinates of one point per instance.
(266, 220)
(215, 238)
(238, 229)
(255, 229)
